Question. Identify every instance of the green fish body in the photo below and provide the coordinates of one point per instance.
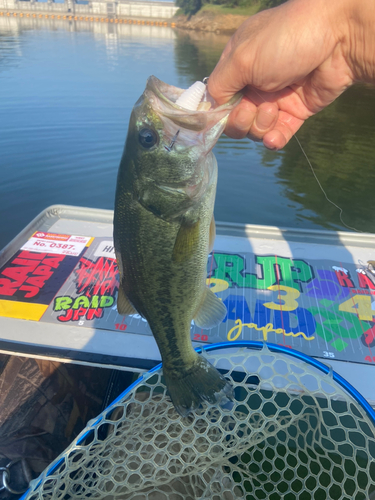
(164, 231)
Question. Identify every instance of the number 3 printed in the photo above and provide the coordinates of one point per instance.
(289, 298)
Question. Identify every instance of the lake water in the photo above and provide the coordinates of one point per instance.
(67, 92)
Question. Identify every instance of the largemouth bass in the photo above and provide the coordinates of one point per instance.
(164, 231)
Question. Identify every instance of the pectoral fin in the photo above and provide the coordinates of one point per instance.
(124, 307)
(211, 311)
(186, 242)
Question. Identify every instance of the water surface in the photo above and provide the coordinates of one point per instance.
(67, 92)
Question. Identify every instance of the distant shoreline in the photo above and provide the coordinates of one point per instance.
(204, 21)
(210, 22)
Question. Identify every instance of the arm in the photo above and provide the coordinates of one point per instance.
(291, 62)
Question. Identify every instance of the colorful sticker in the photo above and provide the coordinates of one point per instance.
(31, 278)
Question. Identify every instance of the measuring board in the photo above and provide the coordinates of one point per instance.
(313, 291)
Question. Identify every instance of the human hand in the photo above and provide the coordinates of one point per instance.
(290, 62)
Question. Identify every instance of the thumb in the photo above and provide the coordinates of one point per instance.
(224, 81)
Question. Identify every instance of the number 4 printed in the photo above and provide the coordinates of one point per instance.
(359, 305)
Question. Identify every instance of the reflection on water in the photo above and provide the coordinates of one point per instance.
(68, 89)
(17, 25)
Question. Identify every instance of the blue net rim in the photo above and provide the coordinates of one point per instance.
(249, 344)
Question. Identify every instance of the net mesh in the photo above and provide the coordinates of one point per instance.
(291, 433)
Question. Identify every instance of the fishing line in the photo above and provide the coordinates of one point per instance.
(323, 191)
(341, 211)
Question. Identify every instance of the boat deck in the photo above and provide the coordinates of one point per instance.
(310, 290)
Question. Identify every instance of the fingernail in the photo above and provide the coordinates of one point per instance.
(264, 120)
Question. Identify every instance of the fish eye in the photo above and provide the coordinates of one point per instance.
(148, 138)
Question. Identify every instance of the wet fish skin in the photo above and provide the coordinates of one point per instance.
(162, 225)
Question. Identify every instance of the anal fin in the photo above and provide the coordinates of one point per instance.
(211, 311)
(124, 307)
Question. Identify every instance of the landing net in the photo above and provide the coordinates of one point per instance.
(295, 430)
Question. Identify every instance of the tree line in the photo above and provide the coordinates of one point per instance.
(191, 7)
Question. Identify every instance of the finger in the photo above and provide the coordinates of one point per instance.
(275, 140)
(286, 126)
(220, 84)
(229, 76)
(265, 120)
(241, 119)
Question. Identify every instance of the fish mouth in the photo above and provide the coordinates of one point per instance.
(162, 98)
(169, 95)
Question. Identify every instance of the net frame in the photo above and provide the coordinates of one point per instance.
(249, 345)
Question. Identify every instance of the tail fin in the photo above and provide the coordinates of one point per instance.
(202, 383)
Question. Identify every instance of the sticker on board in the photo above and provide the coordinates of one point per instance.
(34, 275)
